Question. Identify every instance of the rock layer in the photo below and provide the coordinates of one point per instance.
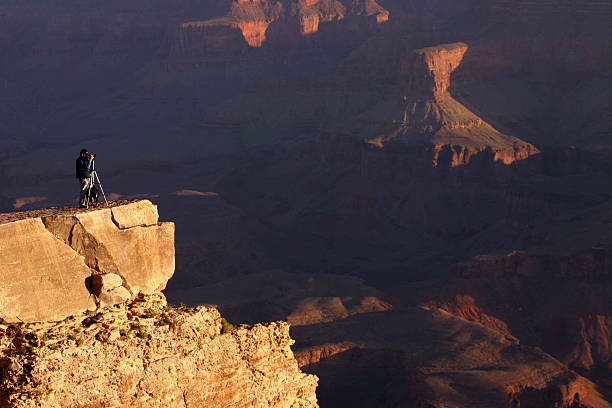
(428, 114)
(428, 70)
(148, 354)
(47, 262)
(433, 359)
(561, 303)
(130, 348)
(296, 18)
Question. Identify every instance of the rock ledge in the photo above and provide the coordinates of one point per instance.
(51, 263)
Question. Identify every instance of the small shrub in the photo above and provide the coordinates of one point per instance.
(46, 336)
(150, 314)
(226, 327)
(141, 334)
(163, 321)
(13, 331)
(54, 346)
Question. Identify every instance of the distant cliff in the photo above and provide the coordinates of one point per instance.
(559, 302)
(84, 324)
(428, 114)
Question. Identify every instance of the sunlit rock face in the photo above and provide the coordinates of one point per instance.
(48, 260)
(84, 322)
(301, 18)
(149, 354)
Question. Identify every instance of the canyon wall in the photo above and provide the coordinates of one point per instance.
(561, 303)
(285, 22)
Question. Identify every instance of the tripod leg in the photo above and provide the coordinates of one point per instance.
(88, 196)
(101, 189)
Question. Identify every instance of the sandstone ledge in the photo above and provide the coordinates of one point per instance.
(149, 354)
(48, 259)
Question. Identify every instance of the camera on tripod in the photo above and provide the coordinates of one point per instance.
(93, 193)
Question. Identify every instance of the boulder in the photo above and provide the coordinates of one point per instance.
(139, 213)
(105, 283)
(109, 290)
(114, 297)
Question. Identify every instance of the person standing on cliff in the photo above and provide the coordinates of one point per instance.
(83, 173)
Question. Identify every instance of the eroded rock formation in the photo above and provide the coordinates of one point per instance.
(427, 113)
(47, 263)
(83, 322)
(438, 360)
(149, 354)
(293, 18)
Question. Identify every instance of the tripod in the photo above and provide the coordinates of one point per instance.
(93, 178)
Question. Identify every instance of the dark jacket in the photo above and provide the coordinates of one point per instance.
(83, 168)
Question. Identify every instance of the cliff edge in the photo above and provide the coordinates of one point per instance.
(54, 264)
(83, 322)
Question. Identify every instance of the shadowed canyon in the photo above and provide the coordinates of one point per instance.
(421, 189)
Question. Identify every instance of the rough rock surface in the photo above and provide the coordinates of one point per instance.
(139, 213)
(46, 264)
(561, 303)
(291, 18)
(433, 359)
(130, 348)
(148, 354)
(41, 277)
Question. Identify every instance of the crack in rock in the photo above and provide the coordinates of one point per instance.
(71, 231)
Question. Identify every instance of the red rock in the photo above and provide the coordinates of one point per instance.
(558, 302)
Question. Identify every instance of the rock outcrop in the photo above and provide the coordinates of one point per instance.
(149, 354)
(428, 114)
(427, 71)
(83, 322)
(51, 265)
(290, 17)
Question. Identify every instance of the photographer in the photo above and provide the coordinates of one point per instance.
(83, 173)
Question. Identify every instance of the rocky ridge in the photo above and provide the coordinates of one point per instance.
(297, 18)
(438, 360)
